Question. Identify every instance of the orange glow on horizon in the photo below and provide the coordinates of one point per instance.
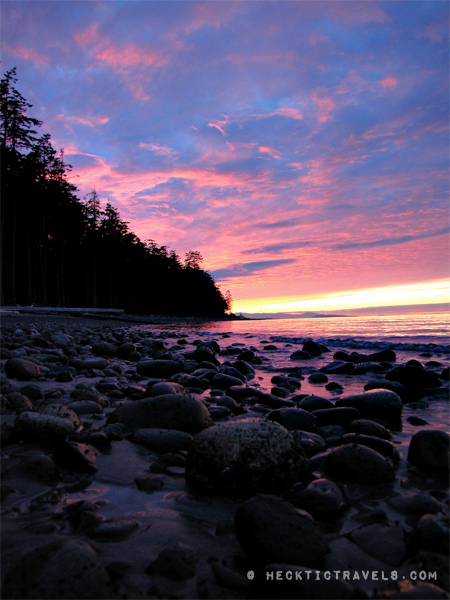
(434, 292)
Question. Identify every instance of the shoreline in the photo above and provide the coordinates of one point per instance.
(133, 503)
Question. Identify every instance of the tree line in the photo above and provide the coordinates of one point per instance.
(58, 250)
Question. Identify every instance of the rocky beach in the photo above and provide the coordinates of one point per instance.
(146, 462)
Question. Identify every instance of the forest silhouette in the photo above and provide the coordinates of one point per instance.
(58, 250)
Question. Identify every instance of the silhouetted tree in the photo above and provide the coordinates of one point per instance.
(70, 252)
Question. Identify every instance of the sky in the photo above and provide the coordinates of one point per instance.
(301, 147)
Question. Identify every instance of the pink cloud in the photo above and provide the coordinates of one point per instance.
(266, 150)
(325, 105)
(28, 54)
(91, 121)
(389, 82)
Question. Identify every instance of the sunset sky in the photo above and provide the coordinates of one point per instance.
(301, 147)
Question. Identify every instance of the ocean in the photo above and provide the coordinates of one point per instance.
(422, 337)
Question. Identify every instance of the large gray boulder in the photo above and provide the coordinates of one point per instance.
(244, 457)
(170, 411)
(379, 404)
(271, 529)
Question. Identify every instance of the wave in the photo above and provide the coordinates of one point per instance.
(368, 344)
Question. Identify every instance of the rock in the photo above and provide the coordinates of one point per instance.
(383, 356)
(67, 568)
(162, 440)
(86, 407)
(62, 411)
(158, 368)
(354, 357)
(243, 457)
(322, 498)
(392, 551)
(114, 530)
(164, 387)
(338, 367)
(292, 581)
(413, 377)
(150, 483)
(312, 403)
(310, 442)
(126, 349)
(171, 411)
(36, 427)
(39, 466)
(176, 562)
(418, 503)
(244, 368)
(368, 427)
(360, 464)
(312, 347)
(91, 362)
(271, 529)
(429, 451)
(224, 382)
(21, 369)
(342, 415)
(77, 457)
(394, 386)
(301, 355)
(384, 447)
(105, 349)
(293, 418)
(431, 533)
(318, 377)
(17, 401)
(380, 404)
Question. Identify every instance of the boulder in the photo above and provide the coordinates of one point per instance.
(33, 426)
(271, 529)
(312, 403)
(21, 369)
(380, 404)
(243, 457)
(353, 462)
(67, 568)
(429, 451)
(338, 415)
(170, 411)
(164, 387)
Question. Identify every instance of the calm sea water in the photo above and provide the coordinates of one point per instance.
(430, 328)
